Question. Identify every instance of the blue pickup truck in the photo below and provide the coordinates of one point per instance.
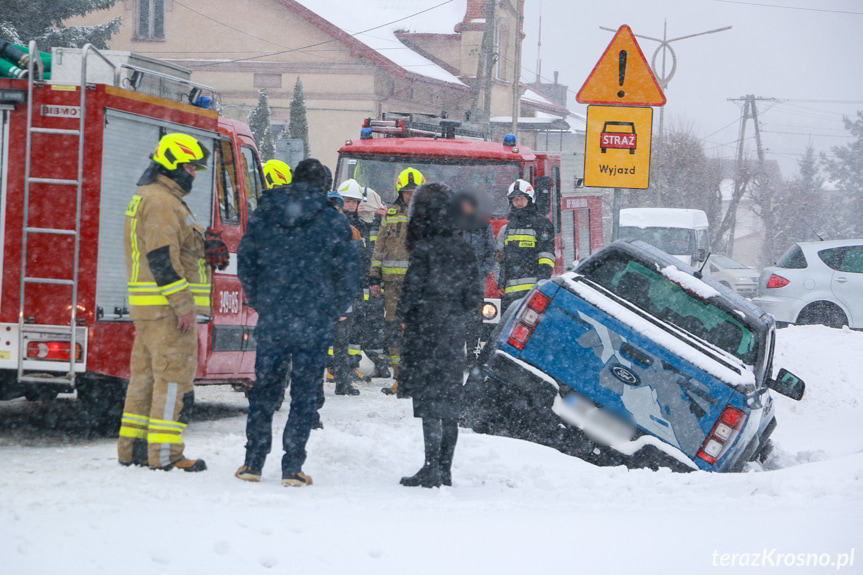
(633, 359)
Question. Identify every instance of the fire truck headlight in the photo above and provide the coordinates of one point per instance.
(489, 311)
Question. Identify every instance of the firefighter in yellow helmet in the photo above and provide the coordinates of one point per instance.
(277, 173)
(168, 260)
(390, 262)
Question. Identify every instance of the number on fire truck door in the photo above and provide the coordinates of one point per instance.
(229, 302)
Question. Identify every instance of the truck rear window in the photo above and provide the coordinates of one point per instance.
(657, 295)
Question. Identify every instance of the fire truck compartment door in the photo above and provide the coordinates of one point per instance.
(128, 143)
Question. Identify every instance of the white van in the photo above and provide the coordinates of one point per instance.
(684, 234)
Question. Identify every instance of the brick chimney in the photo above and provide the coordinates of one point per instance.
(474, 17)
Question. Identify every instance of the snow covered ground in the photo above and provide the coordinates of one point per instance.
(67, 507)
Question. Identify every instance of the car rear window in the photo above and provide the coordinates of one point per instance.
(792, 259)
(654, 293)
(844, 259)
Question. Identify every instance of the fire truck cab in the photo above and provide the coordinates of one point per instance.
(73, 148)
(460, 156)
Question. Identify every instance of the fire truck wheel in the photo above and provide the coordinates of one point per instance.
(102, 401)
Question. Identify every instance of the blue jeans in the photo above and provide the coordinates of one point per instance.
(274, 360)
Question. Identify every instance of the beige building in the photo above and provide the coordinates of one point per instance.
(356, 59)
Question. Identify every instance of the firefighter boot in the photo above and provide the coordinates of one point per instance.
(449, 437)
(139, 454)
(344, 388)
(190, 465)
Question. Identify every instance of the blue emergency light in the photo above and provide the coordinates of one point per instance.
(509, 140)
(366, 134)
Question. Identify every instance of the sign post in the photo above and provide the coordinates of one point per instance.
(618, 142)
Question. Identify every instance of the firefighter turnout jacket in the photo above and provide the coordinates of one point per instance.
(527, 245)
(165, 265)
(390, 258)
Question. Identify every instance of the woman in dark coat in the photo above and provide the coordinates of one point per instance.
(441, 294)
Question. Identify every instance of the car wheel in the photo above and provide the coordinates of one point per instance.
(822, 313)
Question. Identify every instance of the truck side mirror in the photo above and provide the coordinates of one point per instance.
(787, 384)
(543, 187)
(701, 254)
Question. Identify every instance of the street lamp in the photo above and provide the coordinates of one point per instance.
(664, 78)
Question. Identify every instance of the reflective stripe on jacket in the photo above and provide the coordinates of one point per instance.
(527, 244)
(165, 265)
(390, 258)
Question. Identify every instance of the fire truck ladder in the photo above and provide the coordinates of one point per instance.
(36, 76)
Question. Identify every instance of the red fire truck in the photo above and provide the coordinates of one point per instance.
(457, 154)
(72, 153)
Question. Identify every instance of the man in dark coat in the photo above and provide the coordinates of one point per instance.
(441, 294)
(300, 270)
(476, 232)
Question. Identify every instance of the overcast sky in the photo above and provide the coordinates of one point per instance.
(782, 53)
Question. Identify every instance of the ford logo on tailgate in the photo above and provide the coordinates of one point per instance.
(624, 375)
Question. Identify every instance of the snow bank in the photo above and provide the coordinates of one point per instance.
(67, 507)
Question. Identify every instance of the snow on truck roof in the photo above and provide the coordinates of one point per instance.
(663, 218)
(354, 17)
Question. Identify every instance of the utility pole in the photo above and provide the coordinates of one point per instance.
(516, 72)
(484, 68)
(749, 112)
(664, 78)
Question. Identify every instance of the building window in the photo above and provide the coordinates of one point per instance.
(150, 20)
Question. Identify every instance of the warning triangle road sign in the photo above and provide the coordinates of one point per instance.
(622, 76)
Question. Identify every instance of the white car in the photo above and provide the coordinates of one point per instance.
(815, 283)
(733, 274)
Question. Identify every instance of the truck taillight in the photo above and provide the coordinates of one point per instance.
(528, 320)
(51, 350)
(722, 434)
(776, 281)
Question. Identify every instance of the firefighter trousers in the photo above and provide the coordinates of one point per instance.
(392, 293)
(160, 393)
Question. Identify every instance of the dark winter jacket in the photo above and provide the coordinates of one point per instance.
(441, 294)
(527, 243)
(298, 264)
(482, 243)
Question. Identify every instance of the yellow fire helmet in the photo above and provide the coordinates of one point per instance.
(277, 173)
(177, 149)
(409, 179)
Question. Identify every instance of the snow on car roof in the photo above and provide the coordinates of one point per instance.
(662, 218)
(817, 246)
(353, 17)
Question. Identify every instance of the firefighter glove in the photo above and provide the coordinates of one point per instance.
(215, 249)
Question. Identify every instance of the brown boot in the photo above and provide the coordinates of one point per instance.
(246, 473)
(298, 479)
(190, 465)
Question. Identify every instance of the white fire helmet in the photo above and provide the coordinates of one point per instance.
(521, 188)
(353, 190)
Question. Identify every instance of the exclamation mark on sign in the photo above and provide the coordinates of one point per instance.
(621, 72)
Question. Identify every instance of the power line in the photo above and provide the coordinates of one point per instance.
(354, 34)
(788, 7)
(210, 18)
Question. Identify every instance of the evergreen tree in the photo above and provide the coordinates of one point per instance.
(42, 20)
(846, 170)
(299, 126)
(259, 122)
